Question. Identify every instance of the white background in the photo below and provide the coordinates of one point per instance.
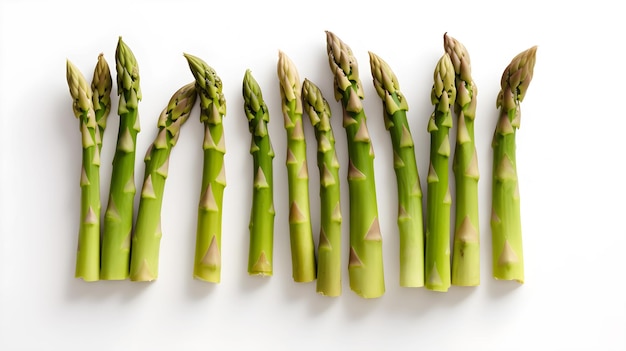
(570, 164)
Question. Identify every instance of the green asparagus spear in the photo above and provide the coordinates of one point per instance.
(144, 265)
(410, 221)
(208, 257)
(101, 84)
(301, 232)
(118, 219)
(262, 213)
(366, 258)
(437, 264)
(329, 246)
(506, 225)
(466, 247)
(88, 255)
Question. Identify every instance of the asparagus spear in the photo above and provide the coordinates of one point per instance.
(329, 246)
(506, 226)
(410, 222)
(118, 219)
(438, 203)
(144, 265)
(466, 247)
(365, 266)
(208, 258)
(101, 84)
(301, 233)
(262, 213)
(88, 255)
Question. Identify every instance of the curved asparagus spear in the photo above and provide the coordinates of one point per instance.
(301, 233)
(144, 265)
(506, 226)
(466, 247)
(101, 84)
(366, 258)
(410, 218)
(260, 257)
(88, 254)
(438, 203)
(118, 219)
(208, 257)
(329, 246)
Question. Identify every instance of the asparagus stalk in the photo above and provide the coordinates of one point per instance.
(365, 266)
(118, 219)
(329, 245)
(438, 203)
(506, 225)
(144, 265)
(300, 231)
(410, 221)
(88, 253)
(101, 84)
(208, 257)
(466, 246)
(262, 214)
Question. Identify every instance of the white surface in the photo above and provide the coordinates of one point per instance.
(569, 156)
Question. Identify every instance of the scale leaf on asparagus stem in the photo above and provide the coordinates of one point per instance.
(118, 218)
(144, 265)
(88, 253)
(365, 265)
(466, 244)
(410, 218)
(260, 256)
(439, 200)
(329, 245)
(300, 230)
(208, 254)
(506, 225)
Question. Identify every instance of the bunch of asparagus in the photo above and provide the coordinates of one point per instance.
(424, 246)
